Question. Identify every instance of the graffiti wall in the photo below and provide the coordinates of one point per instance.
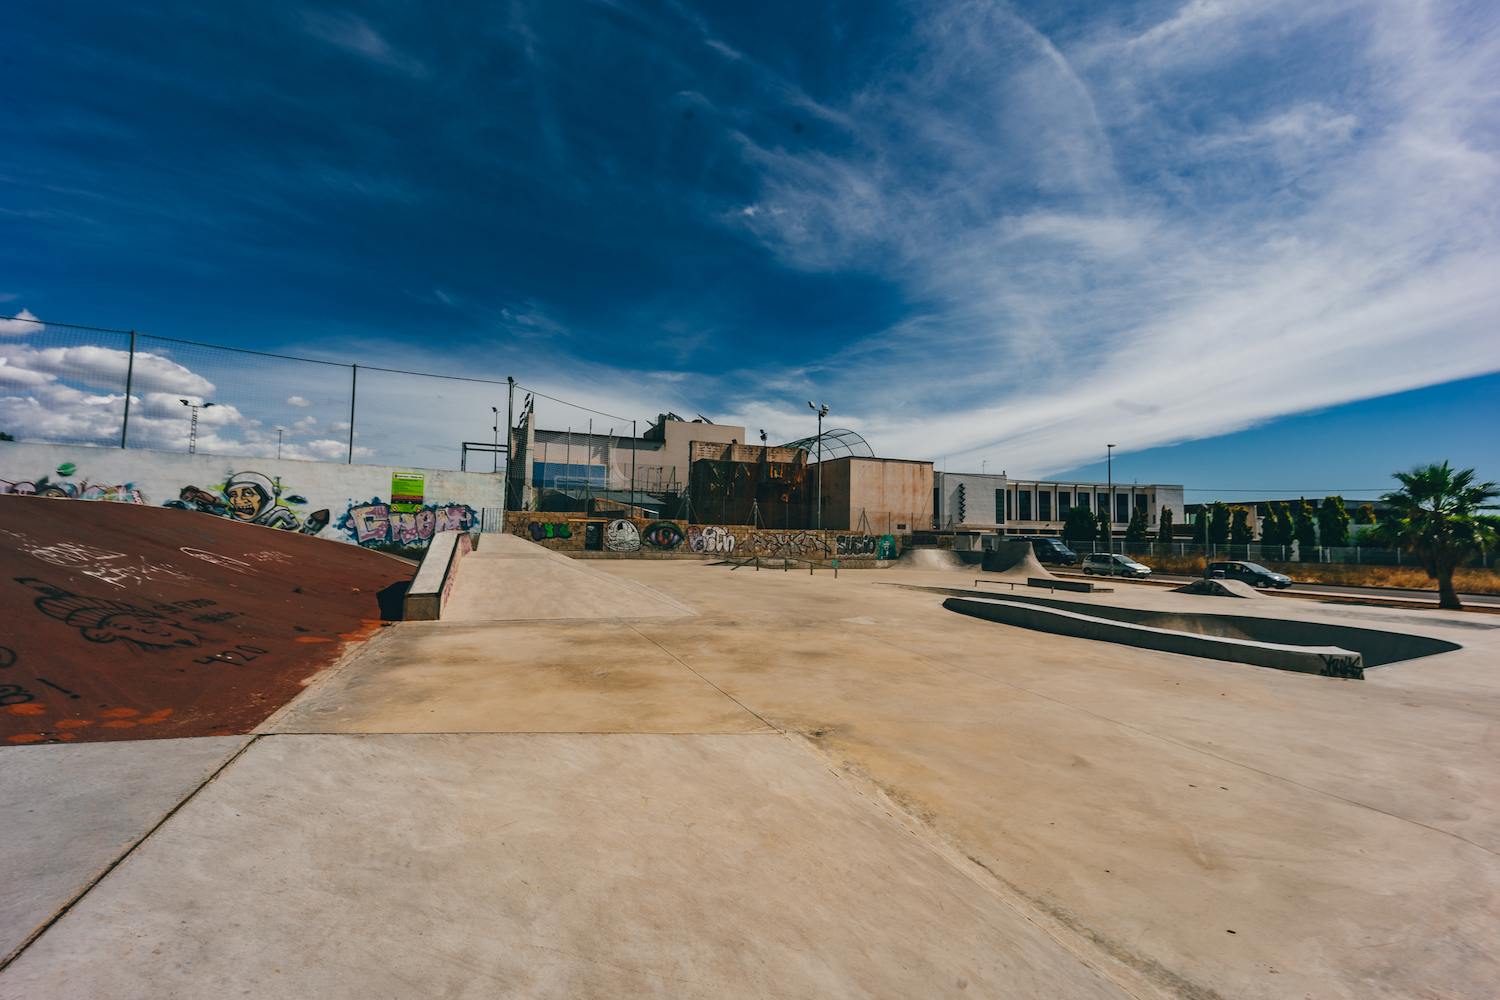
(643, 535)
(368, 505)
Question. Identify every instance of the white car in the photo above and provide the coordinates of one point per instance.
(1113, 564)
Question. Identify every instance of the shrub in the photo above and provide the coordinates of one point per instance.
(1164, 533)
(1240, 531)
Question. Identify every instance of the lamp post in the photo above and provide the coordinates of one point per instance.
(821, 412)
(278, 444)
(1109, 513)
(495, 455)
(193, 428)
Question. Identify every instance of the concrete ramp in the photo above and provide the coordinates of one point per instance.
(940, 560)
(1015, 561)
(1218, 588)
(510, 579)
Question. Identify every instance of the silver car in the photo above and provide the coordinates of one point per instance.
(1114, 564)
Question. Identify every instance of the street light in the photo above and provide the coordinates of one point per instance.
(823, 412)
(278, 444)
(1109, 514)
(193, 430)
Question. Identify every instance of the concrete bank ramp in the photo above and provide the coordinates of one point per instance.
(510, 578)
(1015, 561)
(1218, 588)
(929, 560)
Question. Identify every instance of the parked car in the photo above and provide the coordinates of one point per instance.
(1113, 564)
(1252, 573)
(1052, 550)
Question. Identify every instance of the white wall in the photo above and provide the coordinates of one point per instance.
(357, 497)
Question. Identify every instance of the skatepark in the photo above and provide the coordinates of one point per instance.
(695, 779)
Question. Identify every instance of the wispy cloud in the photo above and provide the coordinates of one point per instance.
(354, 34)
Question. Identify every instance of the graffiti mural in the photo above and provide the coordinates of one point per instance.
(548, 529)
(253, 498)
(45, 486)
(376, 523)
(662, 535)
(710, 539)
(102, 620)
(622, 536)
(786, 543)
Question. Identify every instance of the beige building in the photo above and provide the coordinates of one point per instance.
(880, 496)
(975, 504)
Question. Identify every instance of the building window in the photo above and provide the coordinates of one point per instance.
(1122, 507)
(1007, 504)
(1083, 500)
(1024, 501)
(1064, 500)
(1044, 505)
(999, 506)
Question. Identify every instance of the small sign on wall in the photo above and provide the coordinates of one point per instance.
(406, 491)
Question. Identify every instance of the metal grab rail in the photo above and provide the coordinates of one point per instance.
(811, 565)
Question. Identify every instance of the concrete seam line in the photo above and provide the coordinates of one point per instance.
(764, 721)
(127, 852)
(1159, 736)
(322, 677)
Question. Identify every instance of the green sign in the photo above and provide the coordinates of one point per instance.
(406, 491)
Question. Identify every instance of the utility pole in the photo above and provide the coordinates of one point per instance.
(821, 412)
(495, 455)
(278, 444)
(193, 428)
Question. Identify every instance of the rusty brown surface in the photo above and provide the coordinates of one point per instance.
(123, 621)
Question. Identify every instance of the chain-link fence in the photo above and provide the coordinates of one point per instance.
(1347, 555)
(66, 384)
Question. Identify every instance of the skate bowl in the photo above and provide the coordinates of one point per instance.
(1172, 631)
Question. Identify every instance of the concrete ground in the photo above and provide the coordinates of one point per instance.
(805, 786)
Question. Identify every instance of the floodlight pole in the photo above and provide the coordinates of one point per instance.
(1109, 513)
(510, 413)
(821, 412)
(495, 455)
(193, 427)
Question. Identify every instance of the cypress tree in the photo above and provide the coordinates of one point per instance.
(1365, 514)
(1106, 531)
(1164, 533)
(1078, 525)
(1218, 526)
(1135, 531)
(1333, 522)
(1277, 529)
(1240, 532)
(1304, 530)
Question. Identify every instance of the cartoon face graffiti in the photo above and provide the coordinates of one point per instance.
(663, 535)
(102, 620)
(622, 536)
(252, 497)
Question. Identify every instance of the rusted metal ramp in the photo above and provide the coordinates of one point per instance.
(130, 622)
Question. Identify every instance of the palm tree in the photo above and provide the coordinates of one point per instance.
(1436, 518)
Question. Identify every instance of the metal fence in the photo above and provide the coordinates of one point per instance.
(1350, 555)
(66, 384)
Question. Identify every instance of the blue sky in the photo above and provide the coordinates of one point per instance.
(979, 231)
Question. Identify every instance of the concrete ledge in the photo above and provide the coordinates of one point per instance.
(1327, 661)
(433, 584)
(1081, 586)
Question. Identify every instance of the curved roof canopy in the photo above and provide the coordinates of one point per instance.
(838, 442)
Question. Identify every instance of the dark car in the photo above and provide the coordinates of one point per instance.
(1052, 550)
(1252, 573)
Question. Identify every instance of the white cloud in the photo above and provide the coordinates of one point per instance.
(18, 327)
(1325, 248)
(354, 34)
(298, 401)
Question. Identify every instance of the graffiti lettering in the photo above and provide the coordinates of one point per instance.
(120, 493)
(14, 694)
(786, 543)
(374, 523)
(622, 536)
(114, 568)
(855, 545)
(549, 529)
(710, 539)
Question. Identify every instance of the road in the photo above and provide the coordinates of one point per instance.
(1332, 590)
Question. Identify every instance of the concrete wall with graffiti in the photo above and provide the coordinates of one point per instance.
(643, 535)
(369, 505)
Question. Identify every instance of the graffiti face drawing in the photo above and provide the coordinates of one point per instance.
(622, 536)
(100, 620)
(253, 498)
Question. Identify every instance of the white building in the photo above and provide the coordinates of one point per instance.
(975, 504)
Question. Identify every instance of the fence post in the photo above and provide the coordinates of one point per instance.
(353, 391)
(129, 378)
